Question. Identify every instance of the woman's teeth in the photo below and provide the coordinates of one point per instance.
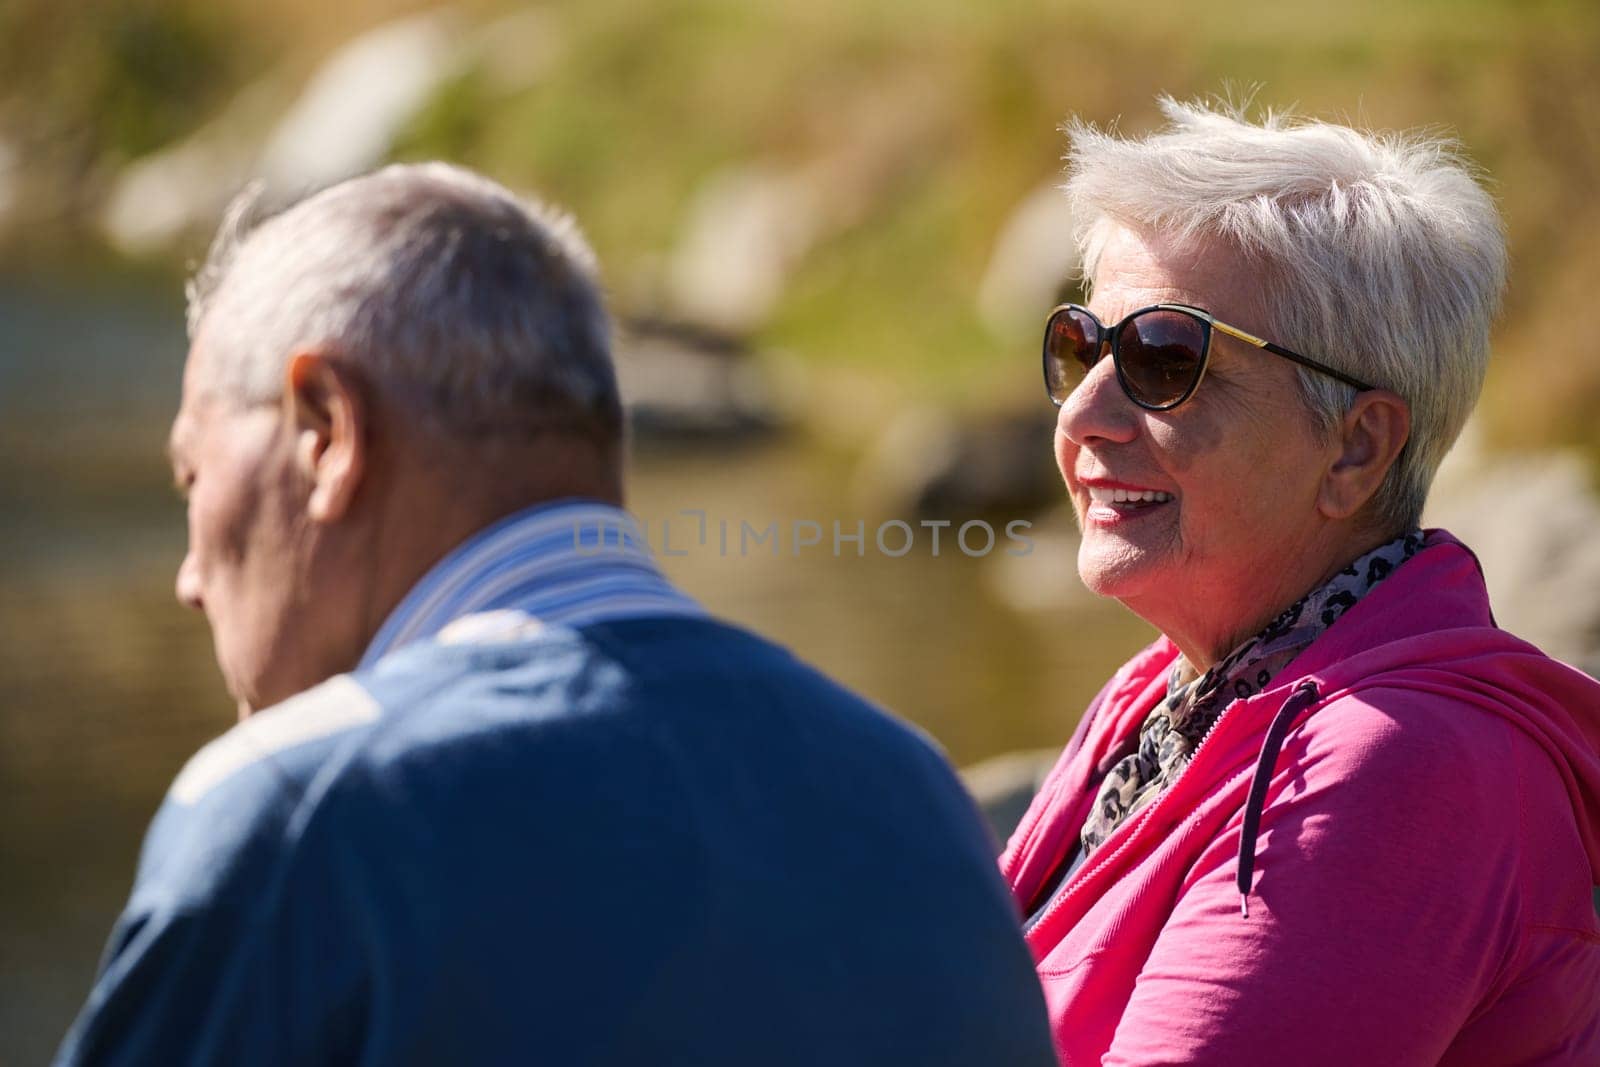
(1127, 496)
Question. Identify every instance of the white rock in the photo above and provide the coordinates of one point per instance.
(184, 187)
(747, 229)
(344, 122)
(1033, 257)
(1531, 518)
(749, 226)
(347, 119)
(683, 382)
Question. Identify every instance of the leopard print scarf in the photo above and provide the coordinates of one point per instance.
(1177, 725)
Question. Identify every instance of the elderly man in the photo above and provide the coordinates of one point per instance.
(499, 795)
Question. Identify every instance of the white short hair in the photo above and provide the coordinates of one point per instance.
(1379, 254)
(480, 311)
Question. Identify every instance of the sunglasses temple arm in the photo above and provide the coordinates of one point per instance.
(1294, 357)
(1306, 361)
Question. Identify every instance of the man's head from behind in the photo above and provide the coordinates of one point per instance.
(375, 374)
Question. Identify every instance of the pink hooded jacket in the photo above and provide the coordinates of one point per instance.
(1385, 858)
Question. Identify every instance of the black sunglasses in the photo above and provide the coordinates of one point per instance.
(1159, 352)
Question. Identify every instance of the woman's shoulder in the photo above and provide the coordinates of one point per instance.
(1500, 766)
(1460, 737)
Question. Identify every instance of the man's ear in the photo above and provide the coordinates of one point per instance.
(1370, 437)
(329, 415)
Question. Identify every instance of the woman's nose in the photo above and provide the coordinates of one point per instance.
(1098, 409)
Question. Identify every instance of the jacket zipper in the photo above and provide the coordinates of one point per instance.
(1062, 898)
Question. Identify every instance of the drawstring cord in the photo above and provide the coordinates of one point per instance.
(1303, 696)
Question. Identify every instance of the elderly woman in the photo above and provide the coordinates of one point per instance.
(1333, 815)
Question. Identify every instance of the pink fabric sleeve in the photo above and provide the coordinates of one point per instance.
(1384, 905)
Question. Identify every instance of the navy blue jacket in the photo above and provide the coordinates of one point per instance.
(659, 840)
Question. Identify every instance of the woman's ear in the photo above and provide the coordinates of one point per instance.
(329, 416)
(1370, 437)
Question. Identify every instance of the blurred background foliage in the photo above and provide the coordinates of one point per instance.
(863, 161)
(634, 105)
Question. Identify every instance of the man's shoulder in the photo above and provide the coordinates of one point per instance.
(268, 751)
(641, 693)
(600, 676)
(436, 702)
(442, 720)
(233, 806)
(243, 805)
(559, 671)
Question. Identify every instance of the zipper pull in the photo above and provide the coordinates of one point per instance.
(1303, 696)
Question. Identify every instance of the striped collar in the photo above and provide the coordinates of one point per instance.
(566, 563)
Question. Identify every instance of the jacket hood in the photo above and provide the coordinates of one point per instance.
(1393, 638)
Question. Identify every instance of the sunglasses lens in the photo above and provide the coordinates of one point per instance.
(1159, 356)
(1071, 347)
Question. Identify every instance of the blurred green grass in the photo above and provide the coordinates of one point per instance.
(638, 104)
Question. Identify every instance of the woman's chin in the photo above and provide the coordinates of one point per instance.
(1119, 571)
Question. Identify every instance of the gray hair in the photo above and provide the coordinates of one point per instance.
(481, 311)
(1379, 254)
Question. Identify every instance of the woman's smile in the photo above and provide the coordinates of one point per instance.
(1112, 503)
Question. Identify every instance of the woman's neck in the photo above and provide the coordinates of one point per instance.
(1210, 624)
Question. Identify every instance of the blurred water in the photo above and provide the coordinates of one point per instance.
(107, 686)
